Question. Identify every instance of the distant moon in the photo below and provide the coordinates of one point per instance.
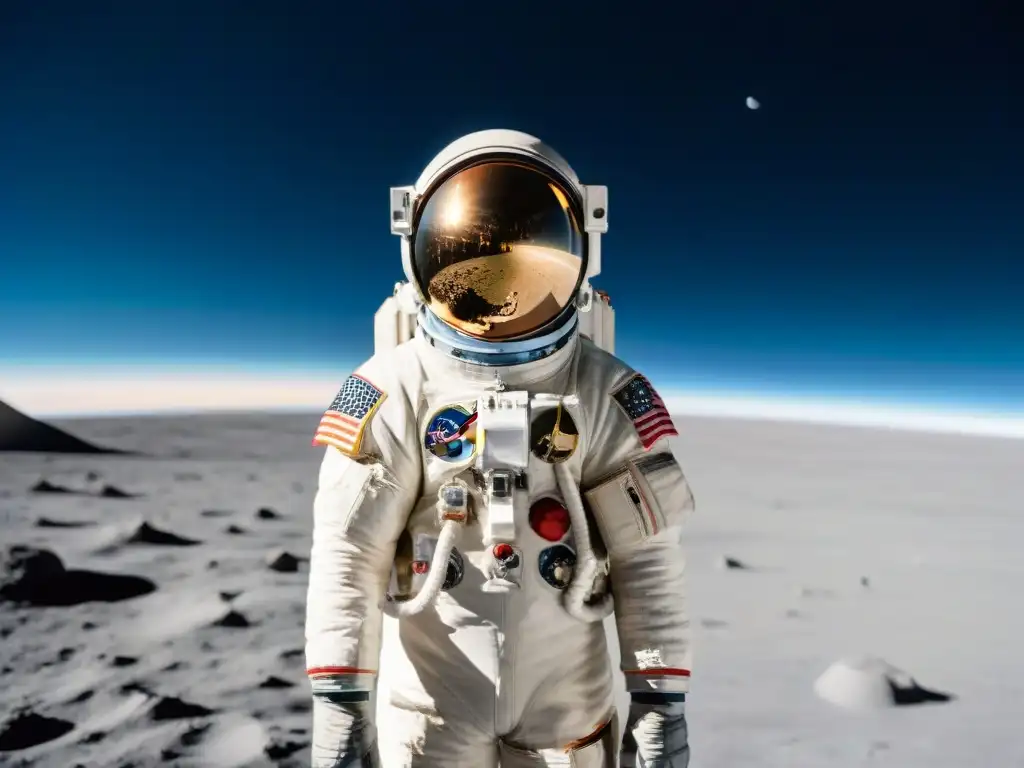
(753, 103)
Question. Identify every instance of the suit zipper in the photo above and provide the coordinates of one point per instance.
(510, 683)
(505, 688)
(499, 714)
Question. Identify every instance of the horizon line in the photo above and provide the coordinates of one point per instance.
(197, 392)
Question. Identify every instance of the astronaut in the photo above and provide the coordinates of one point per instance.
(493, 488)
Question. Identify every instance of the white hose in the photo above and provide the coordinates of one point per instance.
(587, 567)
(435, 576)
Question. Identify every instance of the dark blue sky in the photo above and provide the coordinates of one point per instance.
(207, 181)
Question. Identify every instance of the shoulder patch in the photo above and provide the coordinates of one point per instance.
(344, 423)
(645, 409)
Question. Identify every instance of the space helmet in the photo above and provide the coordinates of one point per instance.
(500, 238)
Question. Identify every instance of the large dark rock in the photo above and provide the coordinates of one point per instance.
(37, 577)
(279, 750)
(113, 492)
(173, 708)
(148, 534)
(45, 486)
(19, 432)
(282, 562)
(28, 729)
(233, 620)
(276, 682)
(47, 522)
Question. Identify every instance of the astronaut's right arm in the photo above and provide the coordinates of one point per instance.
(363, 502)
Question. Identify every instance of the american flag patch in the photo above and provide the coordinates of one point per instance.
(343, 424)
(646, 410)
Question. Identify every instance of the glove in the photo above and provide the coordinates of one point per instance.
(656, 735)
(344, 735)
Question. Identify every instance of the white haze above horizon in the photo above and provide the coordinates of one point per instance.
(53, 391)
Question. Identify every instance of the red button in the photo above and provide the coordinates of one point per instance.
(503, 551)
(549, 519)
(420, 566)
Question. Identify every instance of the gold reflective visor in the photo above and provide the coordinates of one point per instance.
(498, 250)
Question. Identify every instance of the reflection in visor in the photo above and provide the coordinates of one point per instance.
(498, 251)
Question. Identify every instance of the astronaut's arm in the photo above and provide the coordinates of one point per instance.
(363, 502)
(640, 500)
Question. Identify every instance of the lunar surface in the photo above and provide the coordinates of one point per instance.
(152, 606)
(507, 294)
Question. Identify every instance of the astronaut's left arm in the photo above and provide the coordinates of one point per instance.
(640, 499)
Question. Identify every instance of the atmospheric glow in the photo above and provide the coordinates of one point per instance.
(54, 392)
(113, 391)
(845, 412)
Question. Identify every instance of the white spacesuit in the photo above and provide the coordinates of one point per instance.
(492, 489)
